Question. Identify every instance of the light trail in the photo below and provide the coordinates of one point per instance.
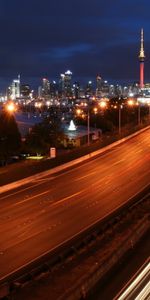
(135, 285)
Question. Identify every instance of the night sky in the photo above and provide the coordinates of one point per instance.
(45, 38)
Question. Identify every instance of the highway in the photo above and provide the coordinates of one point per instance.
(44, 213)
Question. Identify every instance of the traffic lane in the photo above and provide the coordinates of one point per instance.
(141, 141)
(121, 156)
(69, 186)
(65, 224)
(35, 246)
(33, 207)
(66, 202)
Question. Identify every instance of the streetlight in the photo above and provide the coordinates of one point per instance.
(10, 107)
(103, 104)
(149, 110)
(139, 113)
(79, 112)
(88, 125)
(95, 109)
(119, 117)
(120, 107)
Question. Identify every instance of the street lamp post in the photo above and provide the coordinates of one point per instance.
(119, 119)
(88, 126)
(149, 111)
(79, 112)
(139, 115)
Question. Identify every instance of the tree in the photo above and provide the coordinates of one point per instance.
(10, 138)
(43, 136)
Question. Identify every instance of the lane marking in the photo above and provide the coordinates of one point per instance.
(35, 196)
(66, 198)
(21, 190)
(117, 162)
(87, 175)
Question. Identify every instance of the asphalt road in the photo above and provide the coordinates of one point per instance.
(42, 214)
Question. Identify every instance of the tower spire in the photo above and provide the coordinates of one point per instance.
(142, 55)
(141, 59)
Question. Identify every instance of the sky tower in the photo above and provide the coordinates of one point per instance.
(141, 59)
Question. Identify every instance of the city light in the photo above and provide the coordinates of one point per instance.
(95, 109)
(10, 107)
(103, 104)
(78, 111)
(131, 102)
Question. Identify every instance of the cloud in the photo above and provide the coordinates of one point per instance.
(88, 37)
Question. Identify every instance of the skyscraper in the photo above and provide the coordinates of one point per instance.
(45, 86)
(14, 89)
(65, 84)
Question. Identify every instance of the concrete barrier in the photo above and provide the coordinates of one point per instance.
(74, 162)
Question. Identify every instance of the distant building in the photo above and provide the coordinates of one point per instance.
(98, 86)
(14, 89)
(102, 87)
(65, 85)
(89, 88)
(53, 89)
(76, 90)
(25, 90)
(45, 87)
(79, 137)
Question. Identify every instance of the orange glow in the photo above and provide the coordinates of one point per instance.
(10, 107)
(131, 102)
(103, 104)
(95, 110)
(78, 111)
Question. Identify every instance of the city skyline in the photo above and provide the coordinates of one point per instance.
(44, 39)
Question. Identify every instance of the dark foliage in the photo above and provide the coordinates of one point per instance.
(43, 136)
(10, 139)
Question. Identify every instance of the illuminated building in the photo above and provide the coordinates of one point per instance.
(76, 90)
(141, 59)
(65, 84)
(25, 90)
(102, 87)
(45, 87)
(89, 89)
(98, 85)
(14, 89)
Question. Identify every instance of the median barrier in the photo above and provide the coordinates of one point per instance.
(74, 162)
(4, 290)
(84, 285)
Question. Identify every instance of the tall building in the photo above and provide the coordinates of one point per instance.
(89, 89)
(102, 87)
(68, 84)
(65, 85)
(99, 83)
(141, 59)
(76, 90)
(45, 87)
(62, 84)
(53, 88)
(14, 89)
(25, 90)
